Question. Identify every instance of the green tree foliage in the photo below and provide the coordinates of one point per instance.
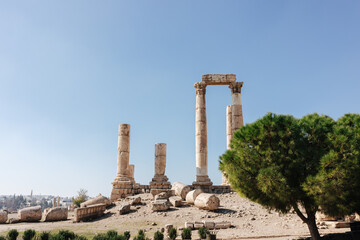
(186, 233)
(271, 160)
(2, 238)
(172, 233)
(127, 235)
(29, 234)
(12, 234)
(81, 197)
(336, 186)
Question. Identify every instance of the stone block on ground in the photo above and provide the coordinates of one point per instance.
(180, 189)
(163, 195)
(30, 214)
(192, 195)
(134, 200)
(56, 214)
(91, 212)
(3, 216)
(100, 199)
(176, 201)
(207, 201)
(155, 192)
(13, 220)
(198, 225)
(209, 225)
(222, 225)
(124, 208)
(189, 225)
(160, 205)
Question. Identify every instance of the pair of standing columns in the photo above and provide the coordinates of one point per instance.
(234, 121)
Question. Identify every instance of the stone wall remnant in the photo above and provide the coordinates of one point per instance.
(3, 216)
(91, 212)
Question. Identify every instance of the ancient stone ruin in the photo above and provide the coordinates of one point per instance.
(160, 182)
(234, 121)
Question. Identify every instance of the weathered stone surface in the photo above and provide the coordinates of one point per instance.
(160, 205)
(222, 225)
(163, 195)
(56, 214)
(323, 217)
(91, 212)
(100, 199)
(176, 201)
(167, 230)
(189, 225)
(30, 214)
(209, 225)
(198, 225)
(192, 195)
(180, 189)
(218, 79)
(160, 159)
(3, 216)
(124, 208)
(207, 201)
(134, 200)
(13, 220)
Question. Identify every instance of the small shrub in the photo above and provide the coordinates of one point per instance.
(2, 238)
(12, 234)
(101, 236)
(43, 236)
(202, 232)
(29, 234)
(172, 233)
(158, 235)
(127, 235)
(140, 236)
(80, 237)
(186, 233)
(67, 235)
(56, 236)
(111, 233)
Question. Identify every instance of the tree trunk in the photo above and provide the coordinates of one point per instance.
(314, 232)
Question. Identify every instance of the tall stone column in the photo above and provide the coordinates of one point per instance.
(202, 179)
(236, 108)
(160, 182)
(228, 137)
(122, 185)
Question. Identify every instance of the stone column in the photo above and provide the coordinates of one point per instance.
(54, 202)
(228, 137)
(123, 152)
(202, 179)
(237, 116)
(122, 185)
(131, 172)
(160, 182)
(58, 202)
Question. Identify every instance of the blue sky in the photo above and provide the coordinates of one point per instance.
(71, 71)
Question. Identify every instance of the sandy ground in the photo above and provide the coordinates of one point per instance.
(250, 221)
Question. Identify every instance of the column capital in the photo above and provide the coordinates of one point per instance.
(236, 87)
(200, 88)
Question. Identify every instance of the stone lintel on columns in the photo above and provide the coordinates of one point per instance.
(218, 79)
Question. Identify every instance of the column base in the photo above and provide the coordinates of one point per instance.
(159, 184)
(204, 183)
(121, 189)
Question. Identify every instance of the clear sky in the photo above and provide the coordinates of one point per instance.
(71, 71)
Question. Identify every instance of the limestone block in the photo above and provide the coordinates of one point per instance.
(180, 189)
(134, 200)
(124, 208)
(192, 195)
(198, 225)
(96, 200)
(13, 220)
(91, 212)
(56, 214)
(163, 195)
(207, 201)
(218, 79)
(160, 205)
(357, 217)
(3, 216)
(189, 225)
(176, 201)
(209, 225)
(30, 214)
(222, 225)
